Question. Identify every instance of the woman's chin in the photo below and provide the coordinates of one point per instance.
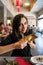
(24, 31)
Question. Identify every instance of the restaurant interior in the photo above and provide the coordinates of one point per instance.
(33, 10)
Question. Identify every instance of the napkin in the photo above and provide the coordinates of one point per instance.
(21, 61)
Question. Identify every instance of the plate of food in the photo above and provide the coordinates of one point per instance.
(4, 35)
(37, 59)
(0, 35)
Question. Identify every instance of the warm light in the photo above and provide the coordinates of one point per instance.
(8, 21)
(26, 4)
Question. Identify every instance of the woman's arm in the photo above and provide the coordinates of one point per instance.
(18, 45)
(7, 48)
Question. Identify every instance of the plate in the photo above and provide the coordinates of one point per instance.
(37, 59)
(39, 64)
(0, 35)
(4, 35)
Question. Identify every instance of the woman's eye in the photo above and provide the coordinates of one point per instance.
(23, 24)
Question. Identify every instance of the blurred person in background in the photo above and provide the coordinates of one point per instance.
(2, 30)
(34, 29)
(8, 28)
(19, 31)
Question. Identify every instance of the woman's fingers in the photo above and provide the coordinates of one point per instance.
(22, 44)
(32, 45)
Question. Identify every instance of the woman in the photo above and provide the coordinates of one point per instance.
(20, 30)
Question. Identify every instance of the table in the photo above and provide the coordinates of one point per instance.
(2, 61)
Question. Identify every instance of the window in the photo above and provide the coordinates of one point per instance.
(40, 22)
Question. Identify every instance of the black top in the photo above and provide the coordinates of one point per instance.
(17, 52)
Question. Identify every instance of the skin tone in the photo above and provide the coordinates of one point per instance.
(23, 25)
(7, 48)
(20, 44)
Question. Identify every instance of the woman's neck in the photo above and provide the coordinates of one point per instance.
(22, 35)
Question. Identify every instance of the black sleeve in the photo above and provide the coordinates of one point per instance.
(7, 41)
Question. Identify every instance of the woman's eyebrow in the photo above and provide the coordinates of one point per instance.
(24, 22)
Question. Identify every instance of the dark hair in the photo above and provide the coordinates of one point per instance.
(16, 21)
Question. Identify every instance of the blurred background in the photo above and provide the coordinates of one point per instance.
(32, 9)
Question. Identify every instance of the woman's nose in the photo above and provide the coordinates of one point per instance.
(23, 26)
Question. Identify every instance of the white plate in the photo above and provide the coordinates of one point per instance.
(34, 59)
(39, 64)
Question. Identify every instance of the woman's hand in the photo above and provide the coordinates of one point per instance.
(21, 44)
(32, 45)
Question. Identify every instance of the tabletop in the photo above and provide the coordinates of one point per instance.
(21, 60)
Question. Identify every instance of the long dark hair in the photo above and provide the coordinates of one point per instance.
(16, 21)
(16, 24)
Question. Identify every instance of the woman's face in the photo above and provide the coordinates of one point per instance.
(23, 25)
